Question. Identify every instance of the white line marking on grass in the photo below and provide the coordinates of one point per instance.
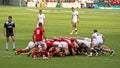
(80, 12)
(32, 10)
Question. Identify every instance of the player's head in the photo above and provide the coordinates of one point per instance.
(40, 11)
(40, 24)
(72, 8)
(95, 30)
(9, 18)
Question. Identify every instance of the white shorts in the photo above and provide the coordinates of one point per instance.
(88, 44)
(31, 45)
(41, 43)
(79, 41)
(97, 43)
(74, 20)
(64, 44)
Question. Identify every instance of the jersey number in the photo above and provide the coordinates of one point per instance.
(38, 32)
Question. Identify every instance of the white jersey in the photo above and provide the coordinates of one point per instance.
(41, 18)
(79, 41)
(74, 16)
(86, 42)
(97, 39)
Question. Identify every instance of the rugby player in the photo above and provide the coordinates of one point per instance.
(40, 18)
(75, 20)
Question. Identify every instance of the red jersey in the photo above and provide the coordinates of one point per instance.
(38, 32)
(49, 44)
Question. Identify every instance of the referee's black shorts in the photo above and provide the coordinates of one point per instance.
(9, 34)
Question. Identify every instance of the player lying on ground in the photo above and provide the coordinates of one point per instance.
(30, 46)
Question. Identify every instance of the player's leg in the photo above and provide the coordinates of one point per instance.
(7, 40)
(72, 29)
(27, 49)
(50, 52)
(13, 42)
(107, 49)
(64, 52)
(75, 28)
(44, 47)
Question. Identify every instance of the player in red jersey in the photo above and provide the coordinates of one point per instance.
(30, 46)
(37, 37)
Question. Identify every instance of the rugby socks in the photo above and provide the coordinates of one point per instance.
(54, 53)
(13, 43)
(72, 31)
(6, 45)
(75, 29)
(43, 52)
(20, 51)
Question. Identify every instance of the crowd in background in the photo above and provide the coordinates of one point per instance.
(83, 3)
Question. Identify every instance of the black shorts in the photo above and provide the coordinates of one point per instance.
(9, 34)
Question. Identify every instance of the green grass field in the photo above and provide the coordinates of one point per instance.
(58, 23)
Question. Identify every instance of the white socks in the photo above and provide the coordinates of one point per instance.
(7, 45)
(13, 43)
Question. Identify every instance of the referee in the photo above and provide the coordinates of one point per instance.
(9, 30)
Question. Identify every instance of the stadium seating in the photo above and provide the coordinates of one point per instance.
(115, 3)
(110, 3)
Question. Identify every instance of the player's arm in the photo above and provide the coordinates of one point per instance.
(4, 30)
(78, 18)
(33, 38)
(44, 36)
(103, 38)
(92, 37)
(44, 20)
(37, 21)
(14, 29)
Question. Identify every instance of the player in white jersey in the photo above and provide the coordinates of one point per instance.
(84, 44)
(97, 40)
(41, 18)
(75, 19)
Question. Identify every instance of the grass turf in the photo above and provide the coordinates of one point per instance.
(58, 24)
